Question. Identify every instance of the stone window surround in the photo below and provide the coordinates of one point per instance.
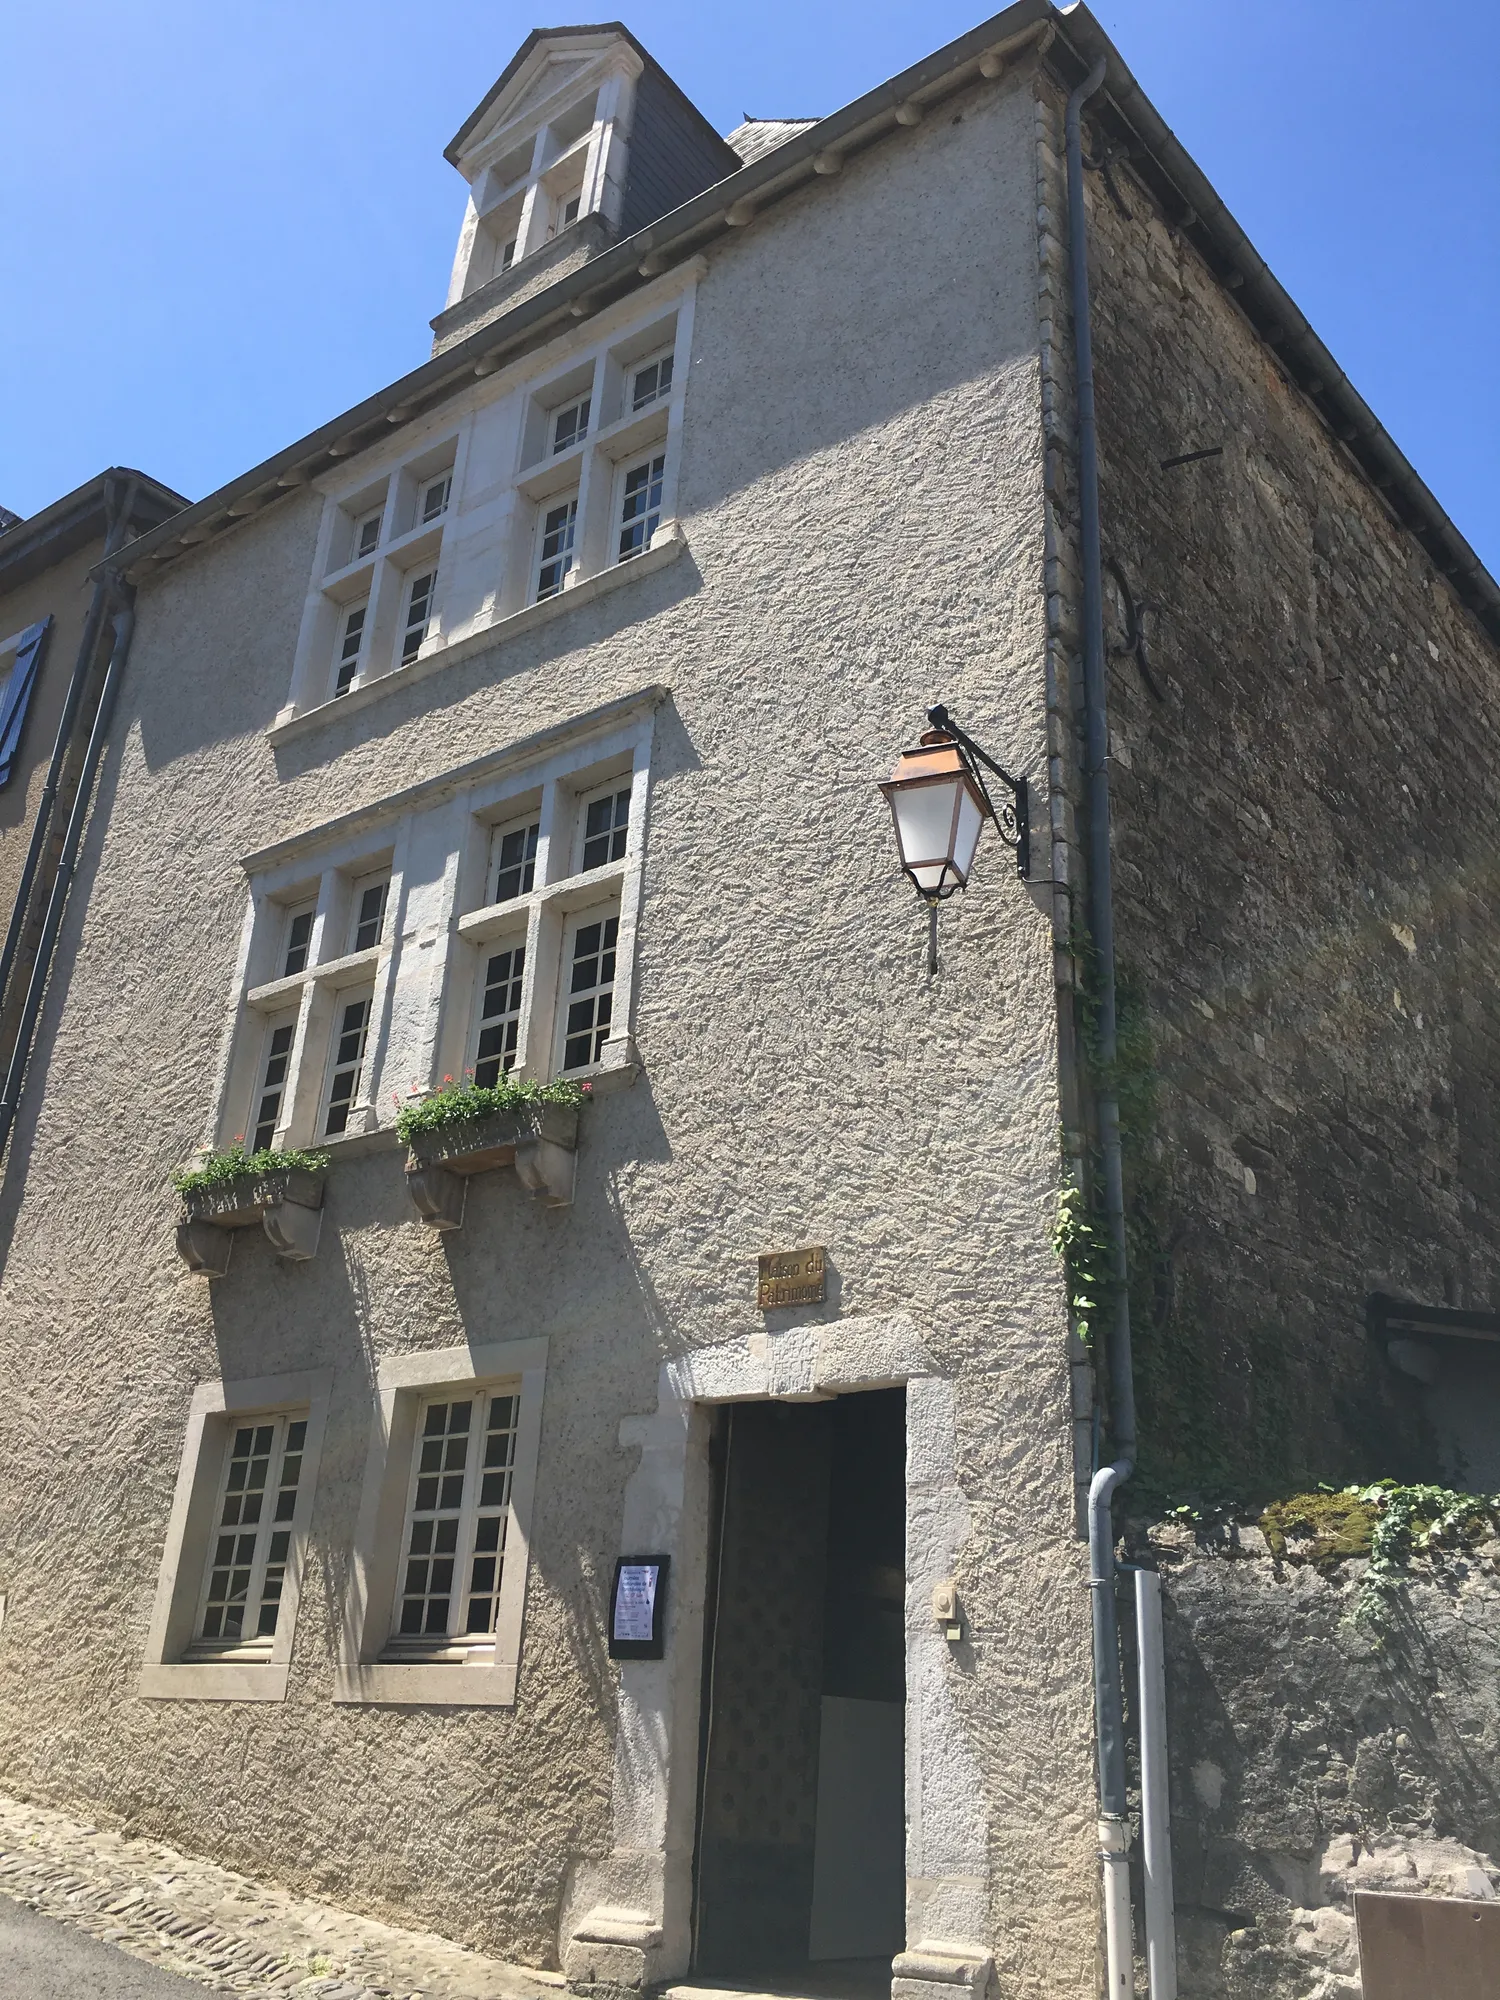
(595, 161)
(428, 966)
(215, 1409)
(483, 544)
(402, 1383)
(627, 1922)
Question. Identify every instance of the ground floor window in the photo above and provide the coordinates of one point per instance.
(252, 1537)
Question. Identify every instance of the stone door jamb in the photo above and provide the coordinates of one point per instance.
(626, 1923)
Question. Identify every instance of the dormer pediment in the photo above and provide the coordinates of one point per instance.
(553, 68)
(581, 140)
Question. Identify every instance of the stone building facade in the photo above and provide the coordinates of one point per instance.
(54, 652)
(526, 720)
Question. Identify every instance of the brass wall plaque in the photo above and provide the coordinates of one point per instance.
(793, 1278)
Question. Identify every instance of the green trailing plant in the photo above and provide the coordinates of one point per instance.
(1409, 1519)
(1384, 1522)
(1084, 1249)
(233, 1163)
(465, 1103)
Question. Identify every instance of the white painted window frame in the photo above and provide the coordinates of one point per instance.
(486, 541)
(566, 784)
(592, 913)
(623, 470)
(274, 1022)
(216, 1408)
(593, 165)
(314, 995)
(248, 1647)
(549, 504)
(501, 941)
(344, 998)
(426, 969)
(403, 1383)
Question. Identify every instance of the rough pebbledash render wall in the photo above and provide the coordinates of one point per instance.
(861, 491)
(1306, 878)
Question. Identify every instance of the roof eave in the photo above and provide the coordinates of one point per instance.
(1072, 40)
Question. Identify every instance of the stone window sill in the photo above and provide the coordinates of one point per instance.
(217, 1680)
(667, 544)
(453, 1684)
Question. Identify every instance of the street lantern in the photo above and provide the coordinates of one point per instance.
(938, 809)
(939, 803)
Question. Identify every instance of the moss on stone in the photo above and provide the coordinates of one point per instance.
(1335, 1525)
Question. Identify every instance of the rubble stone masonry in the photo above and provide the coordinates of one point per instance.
(1306, 799)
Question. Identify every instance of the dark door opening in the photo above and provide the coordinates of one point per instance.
(801, 1821)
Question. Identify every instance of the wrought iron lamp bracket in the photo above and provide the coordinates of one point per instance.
(1012, 817)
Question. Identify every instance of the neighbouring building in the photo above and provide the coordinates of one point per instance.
(643, 1536)
(58, 638)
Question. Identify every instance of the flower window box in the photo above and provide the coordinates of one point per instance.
(233, 1192)
(462, 1133)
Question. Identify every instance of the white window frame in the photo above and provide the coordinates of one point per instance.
(361, 547)
(525, 824)
(261, 1531)
(540, 559)
(512, 940)
(419, 572)
(427, 968)
(379, 878)
(494, 442)
(216, 1408)
(293, 912)
(612, 790)
(276, 1025)
(601, 912)
(356, 660)
(637, 368)
(475, 1676)
(359, 1095)
(425, 489)
(649, 460)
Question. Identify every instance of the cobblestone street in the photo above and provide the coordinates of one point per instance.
(214, 1928)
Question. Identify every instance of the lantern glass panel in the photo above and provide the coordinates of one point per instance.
(966, 837)
(924, 817)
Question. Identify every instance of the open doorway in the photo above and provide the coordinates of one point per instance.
(800, 1867)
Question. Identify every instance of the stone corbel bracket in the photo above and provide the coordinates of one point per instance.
(540, 1141)
(288, 1206)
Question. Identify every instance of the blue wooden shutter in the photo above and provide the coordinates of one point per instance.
(15, 696)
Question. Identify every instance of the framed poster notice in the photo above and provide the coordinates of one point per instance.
(637, 1608)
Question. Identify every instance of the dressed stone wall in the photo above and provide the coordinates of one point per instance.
(861, 491)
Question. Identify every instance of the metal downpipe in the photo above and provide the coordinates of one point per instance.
(1109, 1718)
(117, 515)
(10, 1097)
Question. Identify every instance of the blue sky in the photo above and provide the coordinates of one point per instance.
(220, 226)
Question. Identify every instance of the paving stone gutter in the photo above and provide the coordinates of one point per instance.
(227, 1932)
